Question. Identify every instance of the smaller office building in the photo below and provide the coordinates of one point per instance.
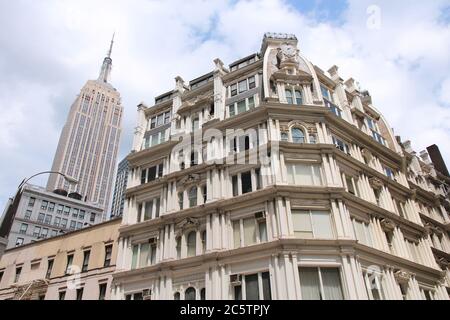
(73, 266)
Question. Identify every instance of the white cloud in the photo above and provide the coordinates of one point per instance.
(49, 49)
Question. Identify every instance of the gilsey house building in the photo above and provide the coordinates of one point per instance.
(273, 179)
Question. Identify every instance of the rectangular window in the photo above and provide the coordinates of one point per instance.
(153, 123)
(341, 145)
(60, 209)
(86, 256)
(44, 205)
(69, 263)
(37, 231)
(64, 223)
(23, 228)
(108, 255)
(251, 102)
(17, 275)
(102, 291)
(28, 214)
(151, 174)
(249, 231)
(66, 211)
(48, 219)
(31, 202)
(75, 213)
(231, 110)
(312, 224)
(92, 218)
(62, 295)
(49, 268)
(320, 284)
(134, 261)
(51, 206)
(234, 181)
(243, 86)
(41, 218)
(246, 182)
(233, 90)
(304, 174)
(81, 215)
(73, 225)
(241, 107)
(257, 287)
(251, 82)
(362, 232)
(44, 233)
(180, 200)
(80, 294)
(350, 186)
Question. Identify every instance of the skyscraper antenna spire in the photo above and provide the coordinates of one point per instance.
(105, 71)
(111, 46)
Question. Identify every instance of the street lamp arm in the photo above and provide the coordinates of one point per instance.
(68, 179)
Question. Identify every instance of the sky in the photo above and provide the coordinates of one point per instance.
(398, 50)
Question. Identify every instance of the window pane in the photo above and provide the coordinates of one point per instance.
(262, 231)
(267, 295)
(303, 175)
(251, 287)
(134, 258)
(246, 179)
(191, 244)
(189, 294)
(237, 233)
(241, 107)
(331, 282)
(298, 136)
(249, 231)
(302, 224)
(143, 259)
(322, 225)
(289, 97)
(243, 86)
(290, 173)
(309, 283)
(148, 210)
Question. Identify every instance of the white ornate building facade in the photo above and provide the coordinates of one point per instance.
(311, 196)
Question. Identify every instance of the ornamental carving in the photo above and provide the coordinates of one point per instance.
(387, 224)
(207, 97)
(188, 223)
(190, 179)
(402, 276)
(375, 183)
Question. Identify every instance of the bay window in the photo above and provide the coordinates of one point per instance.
(320, 283)
(312, 224)
(304, 174)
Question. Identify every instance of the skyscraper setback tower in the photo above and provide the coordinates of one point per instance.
(88, 145)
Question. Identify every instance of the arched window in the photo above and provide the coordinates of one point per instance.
(297, 135)
(191, 243)
(203, 294)
(298, 97)
(193, 197)
(289, 97)
(176, 296)
(189, 294)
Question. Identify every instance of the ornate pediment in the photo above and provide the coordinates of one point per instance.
(188, 223)
(207, 98)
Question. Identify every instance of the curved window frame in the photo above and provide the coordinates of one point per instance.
(301, 138)
(192, 291)
(294, 95)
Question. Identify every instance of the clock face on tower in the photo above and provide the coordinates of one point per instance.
(288, 50)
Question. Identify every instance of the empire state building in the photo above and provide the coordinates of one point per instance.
(89, 142)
